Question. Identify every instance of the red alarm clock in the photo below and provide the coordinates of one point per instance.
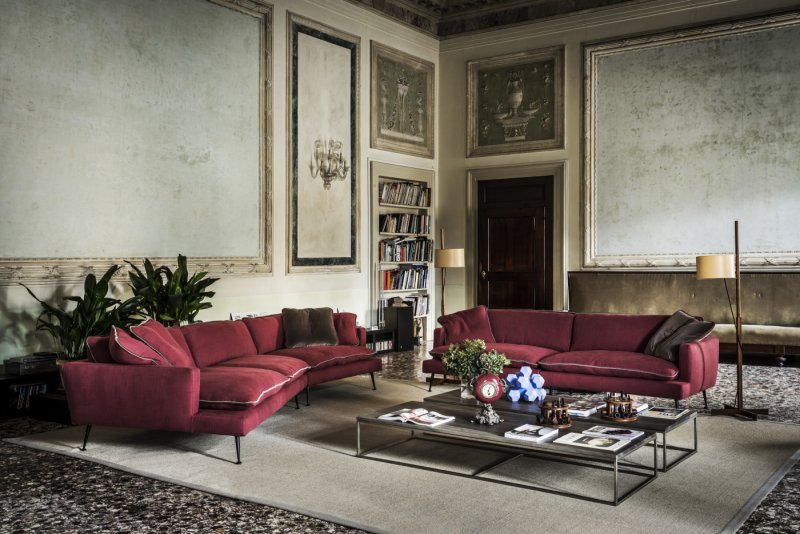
(488, 388)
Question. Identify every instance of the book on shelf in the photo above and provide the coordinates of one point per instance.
(404, 249)
(585, 408)
(664, 413)
(418, 416)
(404, 193)
(533, 433)
(405, 277)
(592, 442)
(613, 432)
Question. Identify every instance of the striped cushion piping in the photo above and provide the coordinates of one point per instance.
(340, 357)
(258, 399)
(545, 365)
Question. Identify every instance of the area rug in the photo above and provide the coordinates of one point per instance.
(303, 461)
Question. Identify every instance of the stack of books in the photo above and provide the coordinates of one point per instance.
(39, 362)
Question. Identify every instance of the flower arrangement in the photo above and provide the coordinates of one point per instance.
(470, 359)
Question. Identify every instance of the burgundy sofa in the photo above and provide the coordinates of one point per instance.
(221, 377)
(584, 351)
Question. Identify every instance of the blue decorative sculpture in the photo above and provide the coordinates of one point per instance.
(526, 386)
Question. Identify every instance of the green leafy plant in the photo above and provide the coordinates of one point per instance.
(93, 315)
(170, 297)
(470, 359)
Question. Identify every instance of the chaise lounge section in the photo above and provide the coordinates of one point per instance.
(220, 377)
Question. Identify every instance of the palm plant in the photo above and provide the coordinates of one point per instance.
(170, 297)
(93, 315)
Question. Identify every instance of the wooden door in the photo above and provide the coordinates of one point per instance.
(515, 243)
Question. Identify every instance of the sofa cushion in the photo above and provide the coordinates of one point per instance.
(321, 356)
(345, 325)
(98, 350)
(125, 348)
(287, 366)
(679, 328)
(308, 327)
(518, 354)
(467, 324)
(218, 341)
(611, 331)
(159, 338)
(532, 327)
(266, 331)
(232, 388)
(610, 363)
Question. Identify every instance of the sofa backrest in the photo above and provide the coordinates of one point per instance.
(610, 331)
(532, 327)
(217, 341)
(267, 332)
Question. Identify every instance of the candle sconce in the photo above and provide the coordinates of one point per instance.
(327, 162)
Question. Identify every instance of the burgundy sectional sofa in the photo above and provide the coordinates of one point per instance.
(221, 377)
(584, 351)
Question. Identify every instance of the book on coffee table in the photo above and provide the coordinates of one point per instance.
(664, 413)
(534, 433)
(613, 432)
(592, 442)
(418, 416)
(585, 408)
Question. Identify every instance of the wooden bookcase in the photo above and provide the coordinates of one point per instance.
(402, 229)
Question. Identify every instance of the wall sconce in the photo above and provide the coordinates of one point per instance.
(327, 162)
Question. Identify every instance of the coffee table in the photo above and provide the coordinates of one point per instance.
(661, 427)
(462, 431)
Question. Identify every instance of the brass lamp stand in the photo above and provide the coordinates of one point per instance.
(447, 258)
(727, 266)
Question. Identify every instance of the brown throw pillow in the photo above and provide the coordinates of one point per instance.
(679, 328)
(308, 327)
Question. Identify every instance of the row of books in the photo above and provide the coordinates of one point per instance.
(404, 277)
(405, 223)
(419, 303)
(585, 408)
(413, 249)
(381, 345)
(24, 392)
(404, 193)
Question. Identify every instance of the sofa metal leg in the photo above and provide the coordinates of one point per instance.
(308, 403)
(86, 437)
(296, 403)
(430, 385)
(238, 449)
(372, 375)
(705, 399)
(676, 404)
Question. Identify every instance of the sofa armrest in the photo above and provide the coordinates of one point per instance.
(362, 336)
(139, 396)
(439, 337)
(698, 363)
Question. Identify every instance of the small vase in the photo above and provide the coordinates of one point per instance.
(466, 390)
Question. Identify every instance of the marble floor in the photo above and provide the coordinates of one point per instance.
(47, 492)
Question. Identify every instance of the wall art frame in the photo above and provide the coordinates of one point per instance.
(713, 202)
(515, 102)
(323, 124)
(401, 102)
(74, 268)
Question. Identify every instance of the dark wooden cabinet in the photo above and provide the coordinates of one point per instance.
(401, 320)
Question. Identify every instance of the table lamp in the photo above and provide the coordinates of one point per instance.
(445, 258)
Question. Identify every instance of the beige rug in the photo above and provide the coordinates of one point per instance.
(303, 461)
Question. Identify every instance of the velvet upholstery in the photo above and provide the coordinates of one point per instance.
(308, 327)
(266, 331)
(467, 324)
(235, 388)
(345, 325)
(521, 355)
(335, 372)
(325, 356)
(289, 367)
(218, 341)
(128, 350)
(97, 349)
(163, 341)
(439, 337)
(611, 363)
(532, 327)
(608, 331)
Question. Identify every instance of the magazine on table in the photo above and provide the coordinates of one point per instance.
(664, 413)
(418, 416)
(640, 407)
(613, 432)
(592, 442)
(534, 433)
(585, 408)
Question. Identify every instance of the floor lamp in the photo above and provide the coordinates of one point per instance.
(445, 258)
(727, 266)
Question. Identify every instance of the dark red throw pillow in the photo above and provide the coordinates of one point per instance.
(308, 327)
(126, 349)
(156, 336)
(467, 324)
(345, 325)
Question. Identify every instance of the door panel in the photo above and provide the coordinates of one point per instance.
(515, 243)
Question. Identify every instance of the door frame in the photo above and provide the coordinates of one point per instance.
(556, 169)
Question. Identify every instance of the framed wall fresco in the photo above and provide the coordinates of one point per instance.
(323, 148)
(120, 154)
(401, 98)
(685, 132)
(515, 103)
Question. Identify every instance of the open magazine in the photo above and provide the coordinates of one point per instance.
(664, 413)
(592, 442)
(613, 432)
(418, 416)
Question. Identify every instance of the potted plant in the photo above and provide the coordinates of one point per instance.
(170, 297)
(93, 315)
(469, 359)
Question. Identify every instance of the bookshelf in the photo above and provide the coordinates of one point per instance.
(402, 229)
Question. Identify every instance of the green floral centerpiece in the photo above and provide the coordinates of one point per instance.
(469, 359)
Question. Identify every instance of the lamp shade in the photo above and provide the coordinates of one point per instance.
(448, 257)
(716, 266)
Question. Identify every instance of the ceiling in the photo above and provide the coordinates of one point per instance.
(446, 18)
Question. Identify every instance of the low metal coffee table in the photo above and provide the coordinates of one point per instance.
(491, 438)
(661, 427)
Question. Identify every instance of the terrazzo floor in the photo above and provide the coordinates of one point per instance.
(48, 492)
